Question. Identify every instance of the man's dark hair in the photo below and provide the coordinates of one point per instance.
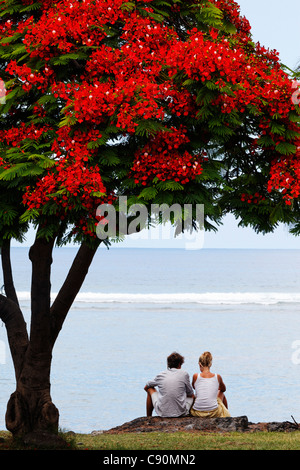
(175, 360)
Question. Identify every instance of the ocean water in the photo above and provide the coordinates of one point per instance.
(139, 305)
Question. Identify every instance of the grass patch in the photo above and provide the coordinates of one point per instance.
(8, 443)
(178, 441)
(191, 441)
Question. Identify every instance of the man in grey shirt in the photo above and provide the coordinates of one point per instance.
(175, 393)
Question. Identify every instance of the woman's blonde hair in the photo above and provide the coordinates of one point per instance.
(205, 360)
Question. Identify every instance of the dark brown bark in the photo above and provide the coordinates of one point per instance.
(30, 408)
(9, 286)
(40, 255)
(13, 319)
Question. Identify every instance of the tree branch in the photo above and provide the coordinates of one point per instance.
(13, 319)
(40, 255)
(9, 286)
(71, 287)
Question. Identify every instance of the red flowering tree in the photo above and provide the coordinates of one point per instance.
(160, 101)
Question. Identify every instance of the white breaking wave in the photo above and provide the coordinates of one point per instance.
(208, 298)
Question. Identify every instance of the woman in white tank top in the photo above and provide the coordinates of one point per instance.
(209, 388)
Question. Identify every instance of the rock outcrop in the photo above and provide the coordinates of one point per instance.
(194, 424)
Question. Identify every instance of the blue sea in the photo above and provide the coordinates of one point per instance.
(139, 305)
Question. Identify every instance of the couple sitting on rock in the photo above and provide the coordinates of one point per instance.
(175, 396)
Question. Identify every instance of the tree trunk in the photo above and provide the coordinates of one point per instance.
(30, 410)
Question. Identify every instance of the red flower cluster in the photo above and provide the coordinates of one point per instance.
(70, 185)
(16, 135)
(29, 77)
(4, 164)
(9, 27)
(285, 176)
(70, 180)
(68, 23)
(131, 91)
(98, 101)
(163, 159)
(250, 80)
(252, 198)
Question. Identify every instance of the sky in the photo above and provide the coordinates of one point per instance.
(275, 24)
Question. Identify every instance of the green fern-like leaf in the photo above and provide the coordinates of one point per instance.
(285, 148)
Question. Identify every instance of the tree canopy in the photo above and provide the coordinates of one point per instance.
(160, 100)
